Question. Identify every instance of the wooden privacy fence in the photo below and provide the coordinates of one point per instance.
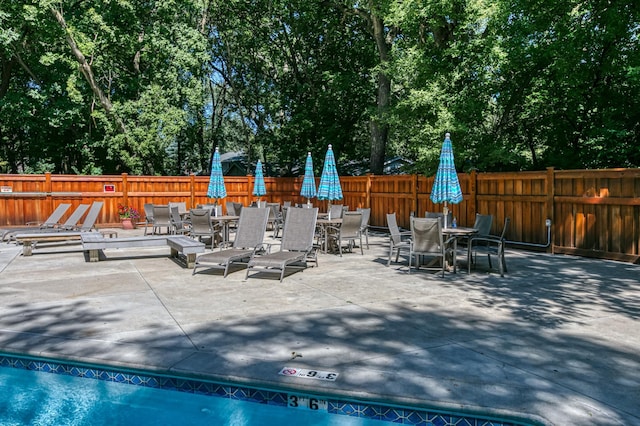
(590, 212)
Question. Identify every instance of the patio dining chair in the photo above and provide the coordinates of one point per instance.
(347, 232)
(364, 225)
(435, 215)
(427, 241)
(148, 216)
(491, 245)
(231, 208)
(397, 240)
(203, 227)
(179, 226)
(336, 211)
(161, 218)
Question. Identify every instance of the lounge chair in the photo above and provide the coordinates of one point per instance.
(71, 224)
(249, 237)
(90, 219)
(348, 231)
(50, 222)
(396, 241)
(489, 244)
(296, 245)
(29, 240)
(427, 240)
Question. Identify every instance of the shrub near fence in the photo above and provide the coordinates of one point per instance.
(592, 212)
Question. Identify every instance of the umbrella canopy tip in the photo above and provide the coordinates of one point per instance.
(447, 135)
(329, 146)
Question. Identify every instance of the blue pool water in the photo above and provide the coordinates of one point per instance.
(36, 398)
(36, 391)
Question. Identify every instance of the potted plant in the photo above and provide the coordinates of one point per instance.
(128, 216)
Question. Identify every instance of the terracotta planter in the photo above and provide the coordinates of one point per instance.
(127, 224)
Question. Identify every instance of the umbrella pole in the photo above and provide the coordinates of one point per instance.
(445, 210)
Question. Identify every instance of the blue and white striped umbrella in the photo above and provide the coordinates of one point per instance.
(259, 189)
(308, 189)
(330, 188)
(216, 181)
(446, 186)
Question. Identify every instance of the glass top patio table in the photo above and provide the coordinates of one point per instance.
(324, 223)
(453, 234)
(224, 221)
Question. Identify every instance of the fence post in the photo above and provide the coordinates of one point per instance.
(551, 193)
(48, 191)
(249, 189)
(192, 199)
(473, 196)
(368, 196)
(125, 190)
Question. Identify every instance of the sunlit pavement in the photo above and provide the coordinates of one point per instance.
(557, 340)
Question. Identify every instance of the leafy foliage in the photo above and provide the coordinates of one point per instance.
(520, 84)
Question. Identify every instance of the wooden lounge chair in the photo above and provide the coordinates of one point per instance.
(296, 245)
(249, 237)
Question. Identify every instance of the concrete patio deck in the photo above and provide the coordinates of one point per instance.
(556, 341)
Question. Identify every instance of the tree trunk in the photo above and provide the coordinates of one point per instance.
(85, 68)
(378, 127)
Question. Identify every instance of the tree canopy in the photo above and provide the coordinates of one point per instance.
(110, 86)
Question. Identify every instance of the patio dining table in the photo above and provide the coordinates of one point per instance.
(224, 222)
(324, 223)
(454, 234)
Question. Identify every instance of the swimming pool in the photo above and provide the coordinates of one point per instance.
(29, 396)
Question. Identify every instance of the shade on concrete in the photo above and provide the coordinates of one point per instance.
(556, 340)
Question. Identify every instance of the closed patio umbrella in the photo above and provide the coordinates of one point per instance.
(259, 188)
(330, 188)
(446, 186)
(216, 187)
(308, 189)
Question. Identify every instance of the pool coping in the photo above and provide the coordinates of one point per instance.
(336, 404)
